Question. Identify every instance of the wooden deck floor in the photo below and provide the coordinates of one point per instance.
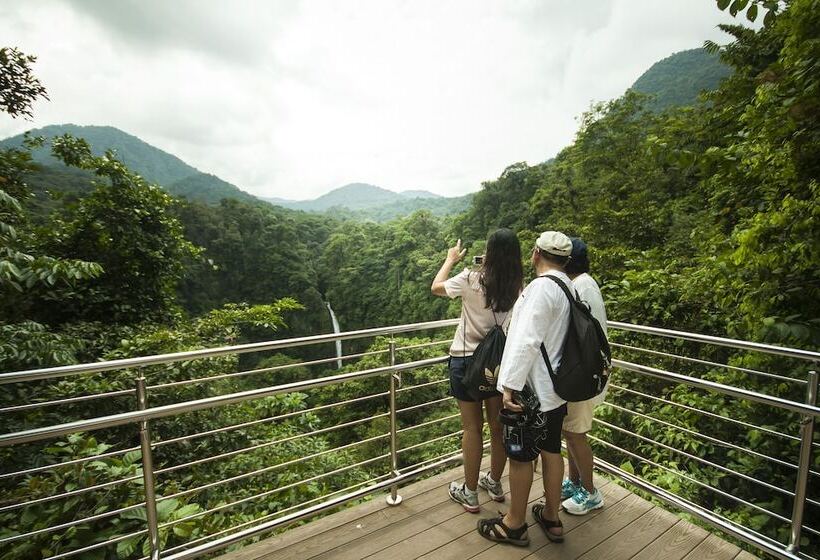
(427, 525)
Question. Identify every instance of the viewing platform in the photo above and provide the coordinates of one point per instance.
(718, 429)
(428, 525)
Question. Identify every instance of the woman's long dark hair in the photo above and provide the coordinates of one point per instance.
(502, 275)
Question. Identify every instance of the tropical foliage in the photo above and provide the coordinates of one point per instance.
(700, 218)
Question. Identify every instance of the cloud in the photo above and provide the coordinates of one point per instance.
(294, 98)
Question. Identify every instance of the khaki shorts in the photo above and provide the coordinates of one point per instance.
(579, 416)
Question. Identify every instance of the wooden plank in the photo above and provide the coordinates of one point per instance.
(471, 544)
(613, 495)
(675, 543)
(713, 548)
(398, 530)
(351, 522)
(613, 519)
(438, 535)
(632, 538)
(745, 555)
(428, 526)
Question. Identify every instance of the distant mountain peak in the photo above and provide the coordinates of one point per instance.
(152, 163)
(678, 79)
(419, 194)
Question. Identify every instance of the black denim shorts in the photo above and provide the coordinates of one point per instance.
(458, 368)
(541, 433)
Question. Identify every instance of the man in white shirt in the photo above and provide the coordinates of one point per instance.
(541, 316)
(577, 491)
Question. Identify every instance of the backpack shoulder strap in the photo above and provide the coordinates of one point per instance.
(547, 360)
(562, 286)
(570, 298)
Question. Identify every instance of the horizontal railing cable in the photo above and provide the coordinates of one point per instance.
(35, 470)
(704, 436)
(70, 493)
(259, 446)
(67, 400)
(211, 536)
(306, 513)
(709, 363)
(447, 399)
(97, 546)
(697, 459)
(37, 434)
(429, 422)
(448, 456)
(61, 371)
(275, 490)
(743, 533)
(719, 341)
(269, 419)
(268, 469)
(420, 385)
(429, 441)
(746, 394)
(261, 370)
(693, 480)
(423, 345)
(73, 523)
(705, 413)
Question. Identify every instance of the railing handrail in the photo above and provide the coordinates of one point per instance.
(142, 361)
(807, 355)
(785, 404)
(101, 422)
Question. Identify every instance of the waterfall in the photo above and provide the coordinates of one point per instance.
(337, 331)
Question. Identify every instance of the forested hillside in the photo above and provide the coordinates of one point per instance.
(701, 217)
(153, 164)
(678, 79)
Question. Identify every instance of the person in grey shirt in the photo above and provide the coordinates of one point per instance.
(487, 294)
(577, 491)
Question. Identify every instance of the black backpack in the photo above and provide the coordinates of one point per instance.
(586, 357)
(481, 375)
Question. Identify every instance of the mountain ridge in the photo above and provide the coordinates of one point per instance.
(679, 78)
(354, 196)
(153, 164)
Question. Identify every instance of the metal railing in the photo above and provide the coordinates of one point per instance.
(399, 386)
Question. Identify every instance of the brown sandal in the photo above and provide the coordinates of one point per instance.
(489, 529)
(546, 524)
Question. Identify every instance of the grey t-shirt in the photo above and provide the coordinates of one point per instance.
(477, 319)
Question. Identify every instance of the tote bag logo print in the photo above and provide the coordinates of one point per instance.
(491, 375)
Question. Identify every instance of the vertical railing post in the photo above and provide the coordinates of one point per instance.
(804, 464)
(148, 472)
(394, 498)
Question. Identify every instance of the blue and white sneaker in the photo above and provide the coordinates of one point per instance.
(568, 489)
(583, 501)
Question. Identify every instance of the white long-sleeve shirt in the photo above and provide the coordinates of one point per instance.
(541, 315)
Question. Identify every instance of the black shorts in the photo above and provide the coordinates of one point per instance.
(525, 443)
(458, 367)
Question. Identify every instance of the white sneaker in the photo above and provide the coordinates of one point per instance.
(460, 494)
(568, 489)
(493, 488)
(583, 501)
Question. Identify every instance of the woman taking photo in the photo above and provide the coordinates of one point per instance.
(487, 293)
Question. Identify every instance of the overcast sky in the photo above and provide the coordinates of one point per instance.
(292, 99)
